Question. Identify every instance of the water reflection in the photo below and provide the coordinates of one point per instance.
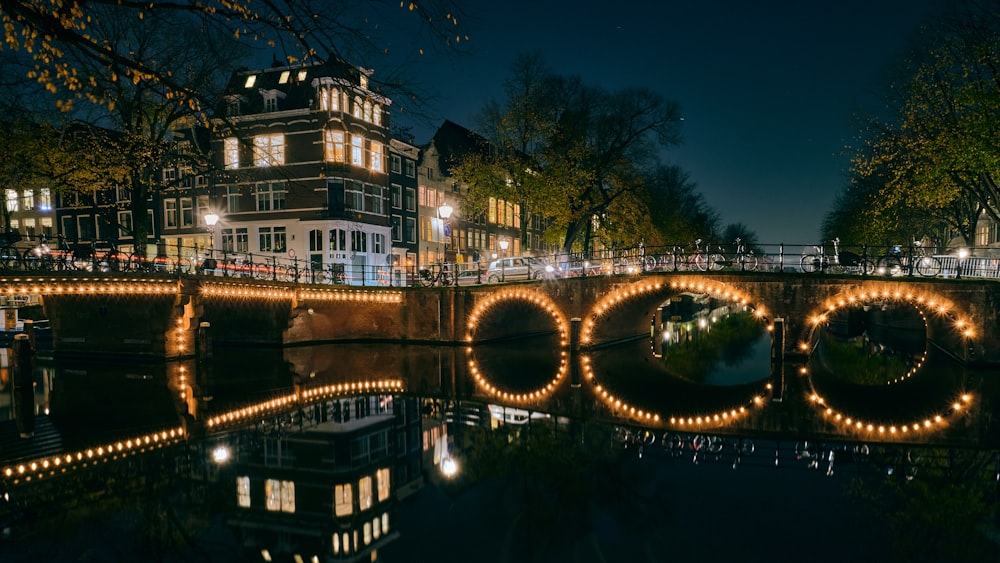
(708, 341)
(347, 471)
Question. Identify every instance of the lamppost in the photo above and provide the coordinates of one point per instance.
(211, 219)
(444, 212)
(963, 253)
(503, 254)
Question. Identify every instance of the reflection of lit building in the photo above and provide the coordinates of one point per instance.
(683, 318)
(325, 490)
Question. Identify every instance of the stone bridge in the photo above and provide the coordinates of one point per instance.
(175, 317)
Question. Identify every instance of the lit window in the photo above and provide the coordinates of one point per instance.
(382, 475)
(376, 156)
(377, 527)
(358, 108)
(335, 146)
(29, 200)
(231, 153)
(269, 150)
(335, 541)
(377, 114)
(243, 491)
(357, 150)
(288, 496)
(342, 502)
(170, 213)
(367, 111)
(12, 199)
(368, 533)
(302, 76)
(283, 79)
(365, 493)
(270, 197)
(385, 522)
(279, 495)
(251, 80)
(45, 200)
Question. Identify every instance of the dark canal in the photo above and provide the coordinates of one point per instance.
(666, 447)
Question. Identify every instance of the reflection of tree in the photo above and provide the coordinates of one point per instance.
(851, 362)
(730, 341)
(948, 502)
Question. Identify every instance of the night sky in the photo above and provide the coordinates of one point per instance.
(767, 89)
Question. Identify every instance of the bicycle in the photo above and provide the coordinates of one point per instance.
(839, 262)
(697, 260)
(441, 276)
(743, 258)
(891, 263)
(925, 264)
(742, 447)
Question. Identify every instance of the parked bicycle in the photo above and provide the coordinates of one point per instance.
(923, 263)
(742, 259)
(839, 262)
(440, 276)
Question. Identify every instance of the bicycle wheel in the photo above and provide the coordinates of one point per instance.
(716, 262)
(889, 266)
(699, 262)
(650, 263)
(810, 263)
(748, 262)
(928, 266)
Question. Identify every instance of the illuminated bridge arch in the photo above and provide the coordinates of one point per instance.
(942, 319)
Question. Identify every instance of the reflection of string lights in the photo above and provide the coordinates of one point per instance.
(704, 420)
(531, 297)
(244, 413)
(523, 397)
(930, 424)
(394, 385)
(923, 305)
(49, 466)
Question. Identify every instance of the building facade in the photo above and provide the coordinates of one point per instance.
(303, 161)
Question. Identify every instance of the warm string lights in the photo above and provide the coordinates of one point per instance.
(58, 464)
(524, 396)
(939, 310)
(243, 414)
(382, 385)
(236, 290)
(932, 423)
(506, 296)
(363, 296)
(84, 286)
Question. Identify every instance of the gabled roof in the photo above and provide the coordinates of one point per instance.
(453, 142)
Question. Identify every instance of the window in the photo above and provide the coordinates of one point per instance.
(242, 240)
(359, 241)
(270, 196)
(338, 239)
(233, 107)
(12, 200)
(122, 194)
(411, 199)
(373, 199)
(395, 164)
(375, 156)
(354, 197)
(378, 243)
(411, 230)
(201, 208)
(29, 227)
(396, 195)
(266, 238)
(169, 175)
(382, 475)
(29, 200)
(170, 214)
(410, 169)
(397, 228)
(357, 108)
(47, 226)
(280, 244)
(377, 114)
(235, 240)
(315, 240)
(279, 495)
(231, 153)
(283, 77)
(367, 532)
(335, 146)
(187, 212)
(233, 199)
(357, 150)
(251, 80)
(45, 200)
(85, 224)
(124, 223)
(343, 500)
(367, 114)
(270, 101)
(269, 150)
(365, 493)
(243, 491)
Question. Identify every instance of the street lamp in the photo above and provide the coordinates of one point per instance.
(503, 254)
(963, 253)
(444, 212)
(211, 219)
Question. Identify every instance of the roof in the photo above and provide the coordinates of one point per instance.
(453, 142)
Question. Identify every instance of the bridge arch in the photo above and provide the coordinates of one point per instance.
(943, 321)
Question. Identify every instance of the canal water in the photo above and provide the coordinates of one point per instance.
(561, 478)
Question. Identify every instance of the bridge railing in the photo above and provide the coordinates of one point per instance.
(980, 263)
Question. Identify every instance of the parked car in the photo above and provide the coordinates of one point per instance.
(519, 268)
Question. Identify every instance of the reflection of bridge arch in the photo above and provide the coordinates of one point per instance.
(534, 299)
(940, 317)
(523, 397)
(658, 290)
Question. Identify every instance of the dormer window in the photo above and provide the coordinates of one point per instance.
(283, 79)
(233, 106)
(251, 80)
(364, 80)
(302, 76)
(271, 99)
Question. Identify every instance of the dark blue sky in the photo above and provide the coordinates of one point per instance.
(767, 89)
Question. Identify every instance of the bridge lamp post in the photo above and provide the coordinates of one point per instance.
(503, 254)
(963, 253)
(444, 212)
(211, 219)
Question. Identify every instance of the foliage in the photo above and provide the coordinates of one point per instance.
(679, 213)
(849, 361)
(729, 341)
(936, 151)
(573, 153)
